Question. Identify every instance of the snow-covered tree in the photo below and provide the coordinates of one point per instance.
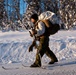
(10, 16)
(13, 16)
(65, 10)
(68, 12)
(33, 6)
(3, 14)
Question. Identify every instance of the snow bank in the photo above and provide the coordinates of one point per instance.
(14, 47)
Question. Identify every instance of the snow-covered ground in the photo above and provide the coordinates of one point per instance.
(14, 51)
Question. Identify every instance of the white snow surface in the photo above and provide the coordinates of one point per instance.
(14, 51)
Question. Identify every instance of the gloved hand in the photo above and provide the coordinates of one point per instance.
(34, 31)
(30, 49)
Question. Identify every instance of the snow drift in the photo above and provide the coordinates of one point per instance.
(14, 47)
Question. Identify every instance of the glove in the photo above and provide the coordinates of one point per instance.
(30, 49)
(34, 31)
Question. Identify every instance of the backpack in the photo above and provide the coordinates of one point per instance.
(50, 16)
(50, 28)
(51, 22)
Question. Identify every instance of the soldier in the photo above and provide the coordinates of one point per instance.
(40, 32)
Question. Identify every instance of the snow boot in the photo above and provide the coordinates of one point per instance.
(35, 65)
(52, 62)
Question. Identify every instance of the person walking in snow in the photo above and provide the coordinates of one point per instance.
(40, 32)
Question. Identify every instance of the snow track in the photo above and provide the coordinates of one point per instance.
(67, 68)
(14, 50)
(14, 46)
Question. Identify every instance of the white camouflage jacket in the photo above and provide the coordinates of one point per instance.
(40, 28)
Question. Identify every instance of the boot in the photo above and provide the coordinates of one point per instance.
(35, 65)
(52, 62)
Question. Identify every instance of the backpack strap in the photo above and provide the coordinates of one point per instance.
(46, 26)
(46, 22)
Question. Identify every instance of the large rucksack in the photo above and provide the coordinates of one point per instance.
(51, 22)
(50, 27)
(48, 18)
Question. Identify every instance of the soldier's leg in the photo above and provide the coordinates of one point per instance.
(40, 52)
(51, 55)
(39, 55)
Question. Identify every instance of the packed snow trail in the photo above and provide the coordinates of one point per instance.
(68, 68)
